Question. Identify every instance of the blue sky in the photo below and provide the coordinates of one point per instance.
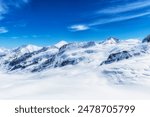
(45, 22)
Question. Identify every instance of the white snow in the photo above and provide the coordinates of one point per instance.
(110, 40)
(61, 43)
(26, 49)
(126, 79)
(3, 51)
(79, 82)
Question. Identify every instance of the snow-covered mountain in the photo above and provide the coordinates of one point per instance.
(25, 49)
(31, 58)
(3, 51)
(78, 69)
(61, 43)
(111, 40)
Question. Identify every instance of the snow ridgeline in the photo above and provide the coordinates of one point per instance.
(31, 58)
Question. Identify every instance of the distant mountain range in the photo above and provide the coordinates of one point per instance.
(31, 58)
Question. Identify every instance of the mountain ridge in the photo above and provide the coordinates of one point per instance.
(31, 58)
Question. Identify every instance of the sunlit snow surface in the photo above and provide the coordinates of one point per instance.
(126, 79)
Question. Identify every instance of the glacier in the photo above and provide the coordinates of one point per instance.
(111, 69)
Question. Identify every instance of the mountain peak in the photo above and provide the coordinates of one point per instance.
(27, 48)
(111, 40)
(61, 43)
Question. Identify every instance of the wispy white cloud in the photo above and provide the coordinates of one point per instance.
(117, 19)
(120, 13)
(3, 30)
(126, 7)
(26, 1)
(80, 27)
(18, 3)
(5, 6)
(3, 9)
(106, 21)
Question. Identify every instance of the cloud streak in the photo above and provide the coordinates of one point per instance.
(6, 4)
(3, 30)
(3, 9)
(80, 27)
(125, 8)
(117, 19)
(116, 14)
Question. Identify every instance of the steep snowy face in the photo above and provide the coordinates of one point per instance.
(135, 51)
(67, 54)
(111, 40)
(15, 58)
(35, 59)
(60, 44)
(73, 53)
(147, 39)
(26, 49)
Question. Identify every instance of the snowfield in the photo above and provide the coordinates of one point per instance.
(111, 69)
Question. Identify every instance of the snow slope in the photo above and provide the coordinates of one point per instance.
(85, 70)
(3, 51)
(61, 43)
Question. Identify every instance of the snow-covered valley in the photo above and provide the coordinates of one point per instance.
(113, 69)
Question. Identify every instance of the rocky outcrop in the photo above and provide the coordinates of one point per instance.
(115, 57)
(146, 40)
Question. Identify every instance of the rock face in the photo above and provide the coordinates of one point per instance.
(147, 39)
(136, 51)
(115, 57)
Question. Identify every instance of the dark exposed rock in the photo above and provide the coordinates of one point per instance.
(76, 45)
(47, 64)
(68, 61)
(89, 44)
(20, 59)
(115, 57)
(16, 67)
(147, 39)
(90, 51)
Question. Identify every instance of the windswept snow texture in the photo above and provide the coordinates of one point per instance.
(112, 69)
